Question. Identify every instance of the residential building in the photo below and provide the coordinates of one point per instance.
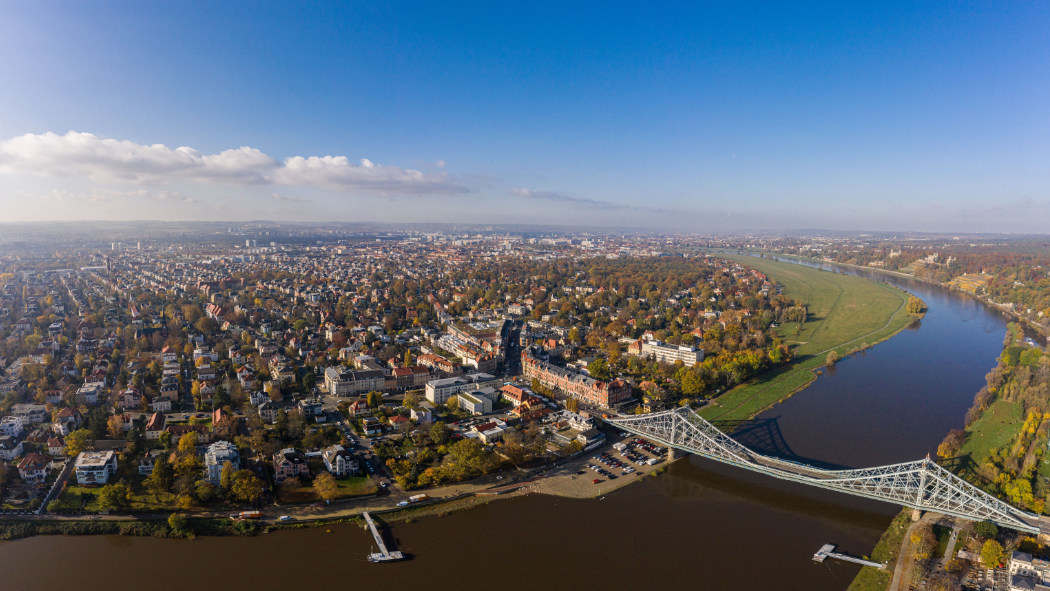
(88, 394)
(268, 412)
(155, 425)
(289, 463)
(341, 381)
(372, 426)
(177, 431)
(56, 446)
(360, 408)
(160, 404)
(95, 467)
(67, 421)
(10, 448)
(421, 416)
(490, 432)
(30, 413)
(33, 468)
(11, 426)
(340, 462)
(579, 386)
(411, 377)
(216, 457)
(310, 407)
(399, 423)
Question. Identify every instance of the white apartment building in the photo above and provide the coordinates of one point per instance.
(95, 467)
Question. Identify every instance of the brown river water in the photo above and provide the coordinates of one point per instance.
(700, 525)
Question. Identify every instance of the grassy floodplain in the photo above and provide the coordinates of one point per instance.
(995, 428)
(845, 313)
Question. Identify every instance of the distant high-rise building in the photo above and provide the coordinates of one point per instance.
(140, 245)
(113, 246)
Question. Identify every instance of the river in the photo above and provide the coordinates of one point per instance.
(700, 525)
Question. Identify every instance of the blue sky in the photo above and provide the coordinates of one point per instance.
(750, 116)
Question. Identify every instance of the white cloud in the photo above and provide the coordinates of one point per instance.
(563, 198)
(107, 160)
(173, 196)
(60, 195)
(277, 197)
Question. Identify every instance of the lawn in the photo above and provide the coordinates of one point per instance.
(845, 313)
(841, 307)
(996, 427)
(73, 495)
(353, 486)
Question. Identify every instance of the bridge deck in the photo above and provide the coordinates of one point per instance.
(922, 484)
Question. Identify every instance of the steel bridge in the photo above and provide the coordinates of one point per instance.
(922, 485)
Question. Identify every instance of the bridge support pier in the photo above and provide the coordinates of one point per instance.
(674, 454)
(916, 514)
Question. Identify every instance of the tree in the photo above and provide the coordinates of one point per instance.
(206, 325)
(951, 444)
(571, 404)
(226, 428)
(832, 358)
(114, 496)
(408, 358)
(374, 399)
(246, 487)
(176, 522)
(275, 392)
(915, 305)
(162, 477)
(115, 427)
(165, 439)
(991, 554)
(78, 441)
(226, 477)
(599, 370)
(188, 444)
(692, 384)
(204, 491)
(439, 433)
(296, 424)
(326, 486)
(986, 529)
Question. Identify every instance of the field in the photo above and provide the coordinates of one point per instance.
(845, 313)
(996, 427)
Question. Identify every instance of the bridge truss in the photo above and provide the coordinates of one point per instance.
(920, 485)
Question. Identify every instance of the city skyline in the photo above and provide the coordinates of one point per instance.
(845, 118)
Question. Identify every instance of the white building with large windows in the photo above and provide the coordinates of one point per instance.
(95, 467)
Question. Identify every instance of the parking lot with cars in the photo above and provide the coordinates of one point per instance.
(624, 458)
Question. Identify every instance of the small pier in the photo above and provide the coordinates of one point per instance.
(828, 551)
(383, 555)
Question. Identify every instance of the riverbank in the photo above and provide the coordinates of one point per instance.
(847, 315)
(886, 550)
(564, 480)
(1039, 329)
